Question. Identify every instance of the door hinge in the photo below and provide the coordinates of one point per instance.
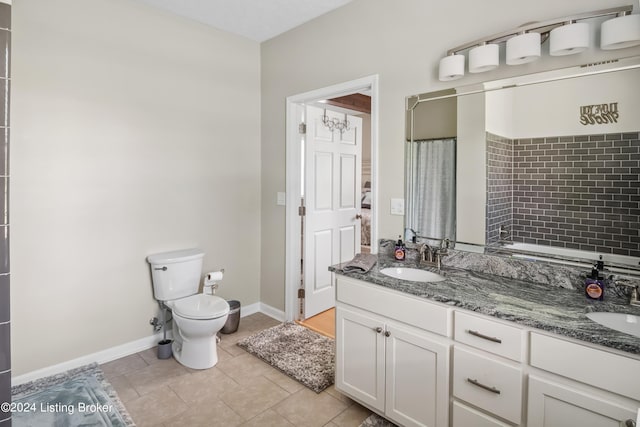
(302, 128)
(301, 293)
(302, 211)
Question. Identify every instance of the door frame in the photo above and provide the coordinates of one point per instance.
(293, 173)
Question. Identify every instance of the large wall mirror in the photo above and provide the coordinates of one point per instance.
(546, 163)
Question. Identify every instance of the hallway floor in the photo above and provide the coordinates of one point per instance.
(241, 390)
(323, 323)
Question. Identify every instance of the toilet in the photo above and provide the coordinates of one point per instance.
(197, 317)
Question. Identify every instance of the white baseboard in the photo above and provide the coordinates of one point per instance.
(248, 310)
(272, 312)
(260, 307)
(127, 349)
(99, 357)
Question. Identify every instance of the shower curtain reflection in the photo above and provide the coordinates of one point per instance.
(431, 188)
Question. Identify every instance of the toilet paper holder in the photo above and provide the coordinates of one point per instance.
(211, 281)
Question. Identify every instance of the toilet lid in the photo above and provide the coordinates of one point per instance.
(201, 306)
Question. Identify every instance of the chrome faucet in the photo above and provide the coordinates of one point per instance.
(426, 253)
(433, 256)
(634, 298)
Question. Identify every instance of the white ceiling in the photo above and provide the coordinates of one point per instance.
(257, 20)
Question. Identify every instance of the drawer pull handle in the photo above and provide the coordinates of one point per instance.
(485, 387)
(483, 336)
(377, 330)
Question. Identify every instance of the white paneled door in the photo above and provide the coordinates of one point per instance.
(333, 175)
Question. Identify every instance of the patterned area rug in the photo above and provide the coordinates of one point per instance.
(304, 355)
(375, 420)
(80, 397)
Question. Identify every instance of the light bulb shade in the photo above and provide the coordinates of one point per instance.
(484, 58)
(451, 67)
(569, 39)
(523, 48)
(620, 32)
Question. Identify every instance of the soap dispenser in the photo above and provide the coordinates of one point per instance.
(594, 285)
(401, 250)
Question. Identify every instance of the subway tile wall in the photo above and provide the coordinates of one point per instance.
(578, 192)
(5, 317)
(499, 186)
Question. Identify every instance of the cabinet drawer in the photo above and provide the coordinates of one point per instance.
(463, 416)
(588, 365)
(488, 335)
(491, 385)
(411, 310)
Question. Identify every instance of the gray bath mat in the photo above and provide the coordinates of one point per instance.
(375, 420)
(304, 355)
(80, 397)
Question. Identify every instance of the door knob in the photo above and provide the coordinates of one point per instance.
(387, 333)
(378, 329)
(358, 216)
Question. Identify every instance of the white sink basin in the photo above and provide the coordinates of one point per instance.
(627, 323)
(412, 274)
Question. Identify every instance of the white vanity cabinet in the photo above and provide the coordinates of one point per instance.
(555, 404)
(464, 416)
(487, 372)
(559, 395)
(398, 370)
(360, 356)
(417, 362)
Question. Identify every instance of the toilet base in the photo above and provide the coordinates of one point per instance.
(198, 348)
(197, 354)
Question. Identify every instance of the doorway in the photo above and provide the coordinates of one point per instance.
(296, 172)
(323, 323)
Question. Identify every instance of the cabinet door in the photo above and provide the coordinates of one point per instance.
(556, 405)
(417, 380)
(360, 357)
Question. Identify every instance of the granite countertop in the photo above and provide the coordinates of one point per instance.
(553, 309)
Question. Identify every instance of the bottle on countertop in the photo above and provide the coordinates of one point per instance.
(401, 250)
(594, 285)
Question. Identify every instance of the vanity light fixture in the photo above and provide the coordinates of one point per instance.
(485, 57)
(569, 39)
(620, 32)
(451, 67)
(523, 48)
(567, 36)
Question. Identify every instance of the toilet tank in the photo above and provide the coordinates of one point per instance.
(176, 274)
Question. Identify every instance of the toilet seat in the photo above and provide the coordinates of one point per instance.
(200, 307)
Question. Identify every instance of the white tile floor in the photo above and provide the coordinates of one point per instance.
(241, 390)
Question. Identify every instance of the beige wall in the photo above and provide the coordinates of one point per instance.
(134, 132)
(402, 42)
(535, 117)
(434, 119)
(471, 169)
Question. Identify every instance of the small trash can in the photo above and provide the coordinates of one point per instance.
(165, 350)
(234, 318)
